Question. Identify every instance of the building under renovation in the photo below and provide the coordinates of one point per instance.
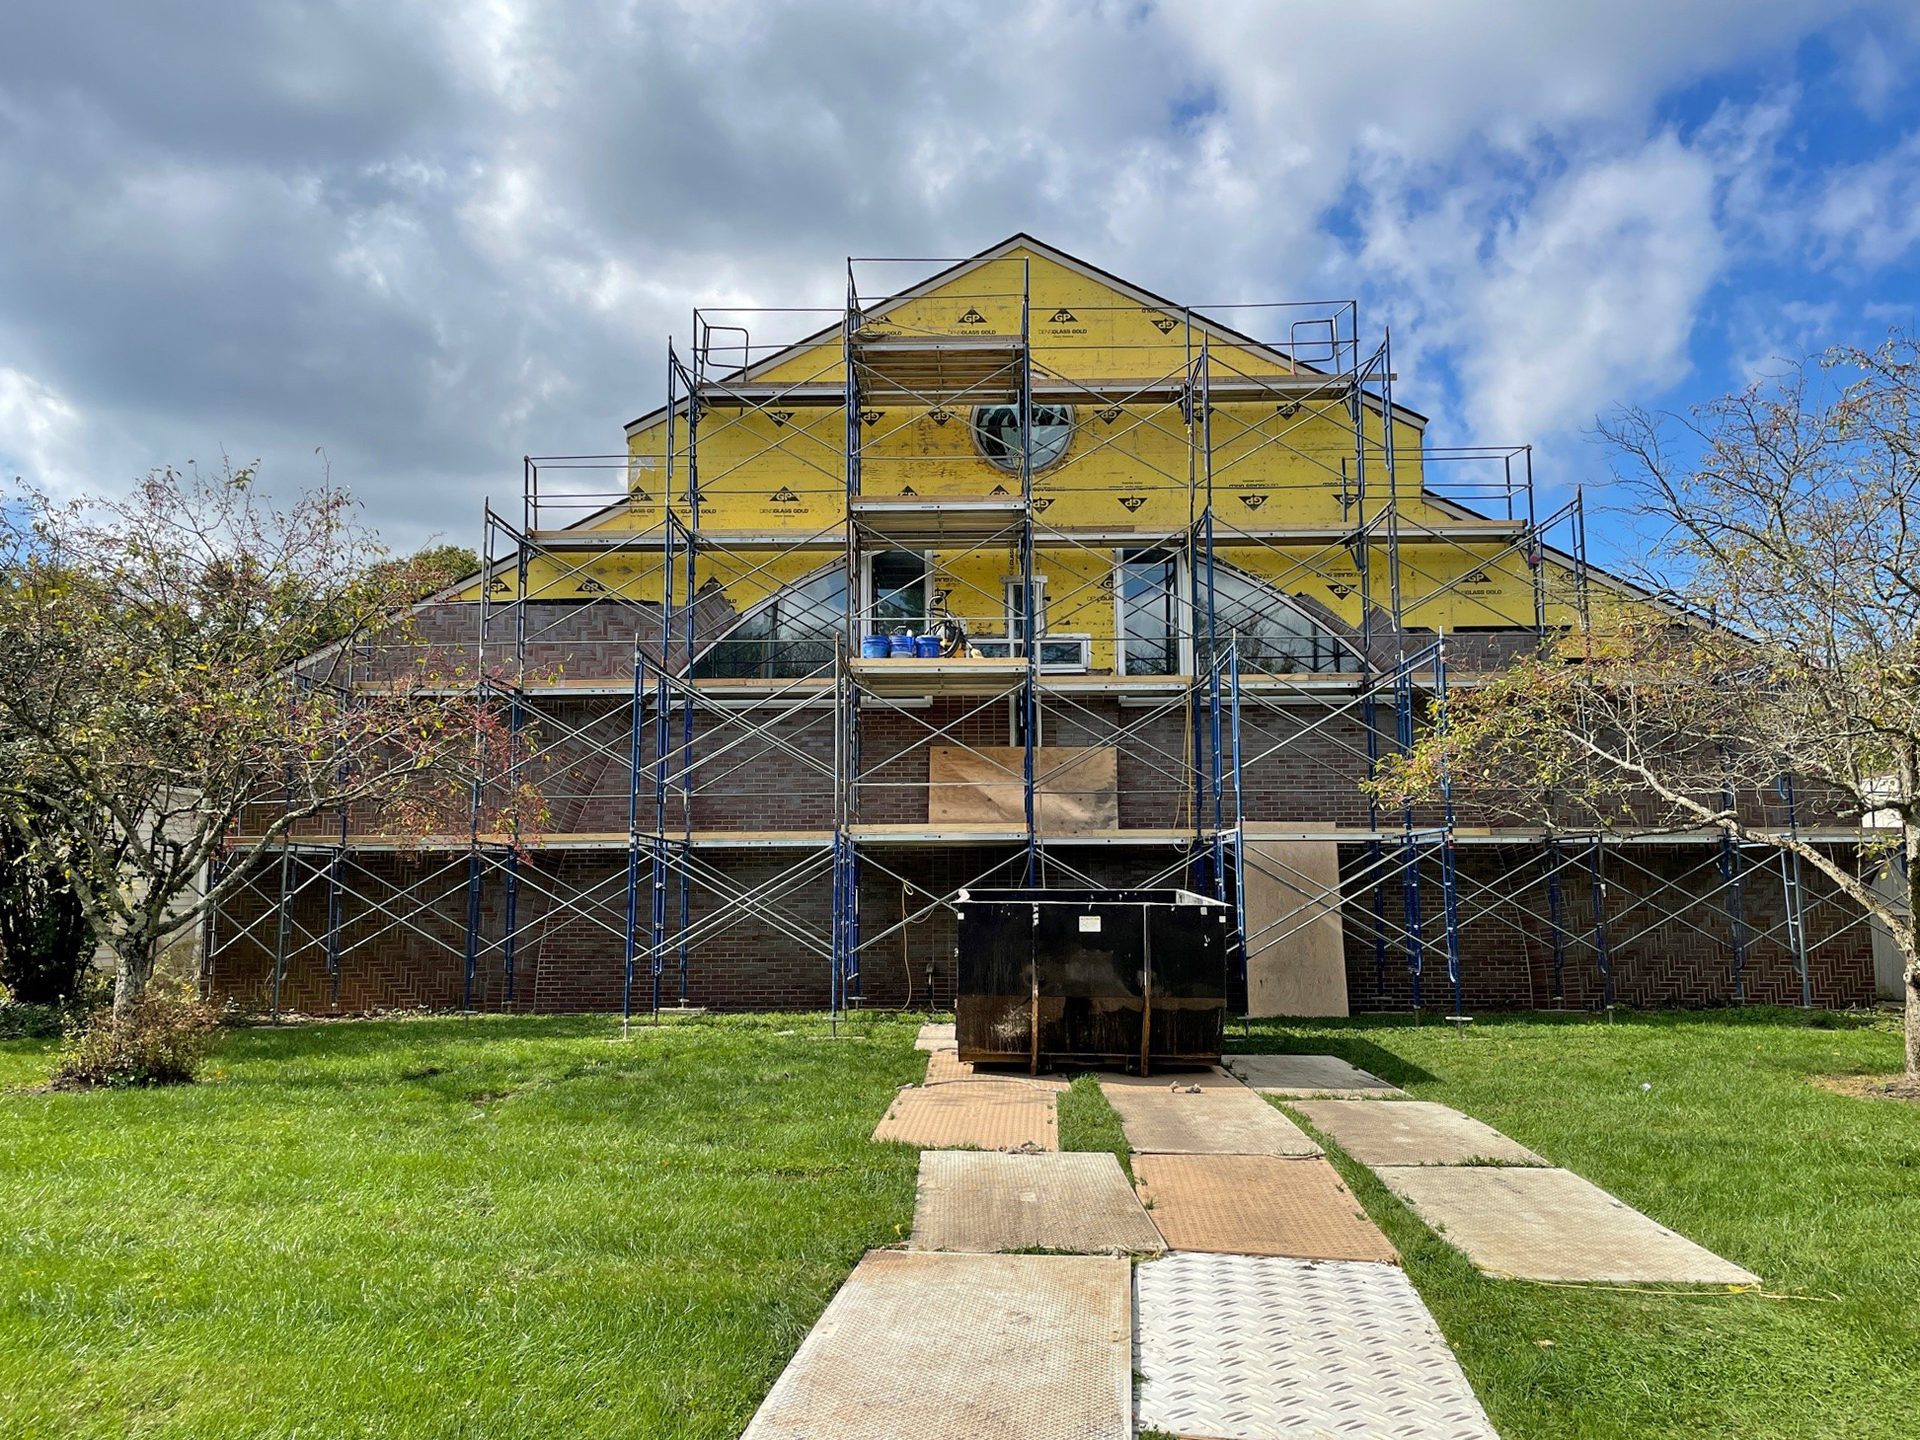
(1014, 576)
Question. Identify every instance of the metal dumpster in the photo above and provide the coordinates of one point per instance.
(1132, 979)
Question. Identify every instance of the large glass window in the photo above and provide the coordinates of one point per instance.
(1275, 636)
(789, 636)
(897, 593)
(996, 430)
(1149, 612)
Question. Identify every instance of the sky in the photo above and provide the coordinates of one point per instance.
(403, 244)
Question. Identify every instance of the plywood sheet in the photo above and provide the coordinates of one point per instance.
(1255, 1347)
(1528, 1224)
(1296, 957)
(1209, 1122)
(1301, 1076)
(1412, 1132)
(972, 1115)
(1076, 789)
(1258, 1205)
(963, 1347)
(987, 1203)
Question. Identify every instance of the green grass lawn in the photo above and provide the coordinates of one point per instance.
(530, 1227)
(442, 1228)
(1710, 1125)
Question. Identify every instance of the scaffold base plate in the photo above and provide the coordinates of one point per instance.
(962, 1347)
(1528, 1224)
(973, 1115)
(1412, 1132)
(1309, 1075)
(1258, 1205)
(980, 1203)
(1254, 1347)
(1213, 1122)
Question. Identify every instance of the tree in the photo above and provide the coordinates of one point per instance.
(178, 681)
(1779, 636)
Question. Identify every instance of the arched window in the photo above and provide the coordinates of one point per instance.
(1274, 634)
(786, 636)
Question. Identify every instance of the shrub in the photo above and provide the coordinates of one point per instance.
(30, 1022)
(161, 1041)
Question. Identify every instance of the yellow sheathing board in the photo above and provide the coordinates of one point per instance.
(779, 470)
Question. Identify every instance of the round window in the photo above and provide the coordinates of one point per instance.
(996, 430)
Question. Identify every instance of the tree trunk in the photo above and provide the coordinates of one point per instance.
(1913, 1023)
(138, 955)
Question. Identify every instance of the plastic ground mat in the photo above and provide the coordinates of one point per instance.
(984, 1203)
(1221, 1121)
(936, 1037)
(1412, 1132)
(962, 1347)
(1528, 1224)
(1306, 1075)
(973, 1115)
(1257, 1205)
(1252, 1347)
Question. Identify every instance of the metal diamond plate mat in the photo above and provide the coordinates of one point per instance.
(1305, 1075)
(962, 1347)
(1212, 1122)
(1254, 1347)
(973, 1115)
(1525, 1224)
(936, 1037)
(1258, 1205)
(985, 1203)
(1412, 1132)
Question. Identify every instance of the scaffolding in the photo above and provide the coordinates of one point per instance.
(722, 775)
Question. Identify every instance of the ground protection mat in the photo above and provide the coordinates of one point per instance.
(972, 1115)
(936, 1037)
(1305, 1075)
(1257, 1205)
(962, 1347)
(1412, 1132)
(981, 1203)
(1528, 1224)
(1212, 1122)
(1255, 1347)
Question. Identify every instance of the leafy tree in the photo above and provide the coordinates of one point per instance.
(1780, 637)
(178, 682)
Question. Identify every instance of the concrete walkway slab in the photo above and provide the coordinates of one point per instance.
(1258, 1205)
(1412, 1132)
(1251, 1347)
(1302, 1076)
(936, 1037)
(996, 1203)
(1216, 1121)
(962, 1347)
(973, 1115)
(1527, 1224)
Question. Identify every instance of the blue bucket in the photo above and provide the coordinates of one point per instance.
(900, 644)
(873, 647)
(927, 647)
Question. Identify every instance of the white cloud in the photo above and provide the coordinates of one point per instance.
(39, 431)
(1869, 214)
